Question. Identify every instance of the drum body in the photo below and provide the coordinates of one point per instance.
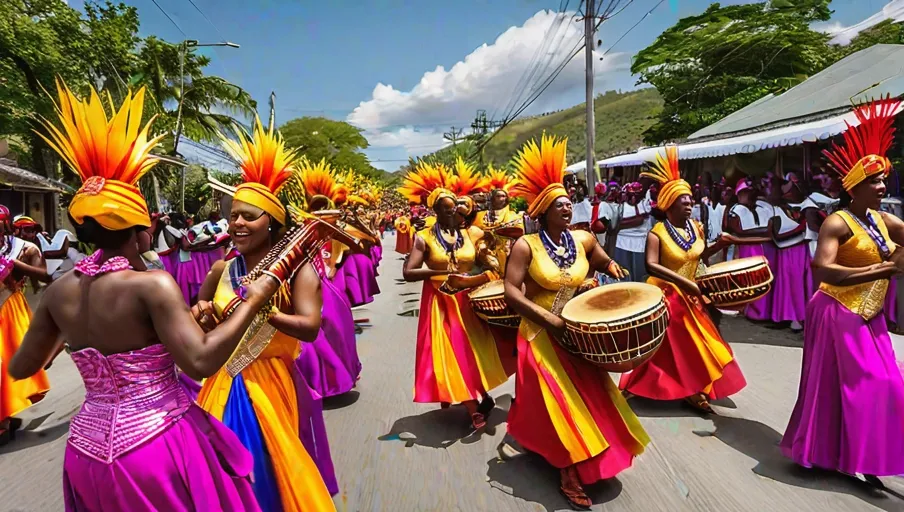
(616, 326)
(488, 302)
(736, 283)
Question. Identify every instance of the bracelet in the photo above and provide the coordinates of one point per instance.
(242, 293)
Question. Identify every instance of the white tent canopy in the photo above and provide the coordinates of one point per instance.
(614, 161)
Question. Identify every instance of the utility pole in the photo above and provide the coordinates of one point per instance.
(589, 25)
(453, 136)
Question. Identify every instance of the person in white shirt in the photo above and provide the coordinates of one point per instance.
(60, 252)
(581, 209)
(635, 224)
(747, 223)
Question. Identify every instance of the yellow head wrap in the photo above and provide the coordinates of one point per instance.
(109, 155)
(865, 168)
(545, 199)
(665, 171)
(265, 164)
(437, 194)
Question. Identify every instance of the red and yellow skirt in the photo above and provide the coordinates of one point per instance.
(17, 395)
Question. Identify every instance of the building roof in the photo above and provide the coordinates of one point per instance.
(860, 77)
(21, 179)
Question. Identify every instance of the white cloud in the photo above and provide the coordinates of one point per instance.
(484, 79)
(893, 10)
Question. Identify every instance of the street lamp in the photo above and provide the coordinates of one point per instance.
(185, 45)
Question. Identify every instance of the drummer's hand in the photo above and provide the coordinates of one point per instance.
(615, 270)
(691, 288)
(727, 239)
(557, 327)
(203, 313)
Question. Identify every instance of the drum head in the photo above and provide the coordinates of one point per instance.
(612, 302)
(490, 289)
(735, 265)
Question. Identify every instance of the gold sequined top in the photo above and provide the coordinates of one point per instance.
(865, 299)
(544, 271)
(503, 216)
(437, 258)
(673, 257)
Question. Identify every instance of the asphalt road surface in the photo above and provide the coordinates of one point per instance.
(394, 455)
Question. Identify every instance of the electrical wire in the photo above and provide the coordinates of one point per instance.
(170, 19)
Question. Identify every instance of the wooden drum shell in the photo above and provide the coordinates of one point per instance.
(736, 288)
(492, 308)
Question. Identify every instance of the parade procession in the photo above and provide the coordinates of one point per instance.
(204, 309)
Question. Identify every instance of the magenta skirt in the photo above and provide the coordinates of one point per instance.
(891, 302)
(849, 414)
(360, 279)
(793, 285)
(196, 464)
(761, 309)
(190, 274)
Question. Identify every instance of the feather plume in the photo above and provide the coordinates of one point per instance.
(873, 136)
(537, 167)
(263, 157)
(665, 168)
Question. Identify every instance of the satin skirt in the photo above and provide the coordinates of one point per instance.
(17, 395)
(793, 285)
(693, 358)
(404, 242)
(850, 404)
(459, 357)
(195, 464)
(761, 309)
(360, 278)
(570, 412)
(189, 275)
(261, 406)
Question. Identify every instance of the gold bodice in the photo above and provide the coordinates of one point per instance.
(673, 257)
(544, 271)
(865, 299)
(502, 216)
(282, 345)
(437, 258)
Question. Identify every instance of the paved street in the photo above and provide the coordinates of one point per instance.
(394, 455)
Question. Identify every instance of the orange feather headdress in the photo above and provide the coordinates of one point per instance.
(497, 180)
(322, 189)
(865, 145)
(266, 166)
(540, 172)
(466, 180)
(109, 155)
(665, 172)
(426, 184)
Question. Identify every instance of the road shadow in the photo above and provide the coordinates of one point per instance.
(761, 443)
(740, 330)
(340, 401)
(529, 477)
(441, 428)
(25, 439)
(646, 408)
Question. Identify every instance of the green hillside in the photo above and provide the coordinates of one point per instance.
(621, 119)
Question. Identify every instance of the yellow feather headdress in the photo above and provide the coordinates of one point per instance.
(665, 171)
(540, 173)
(322, 188)
(466, 180)
(266, 165)
(109, 155)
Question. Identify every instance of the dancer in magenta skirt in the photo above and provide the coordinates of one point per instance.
(849, 414)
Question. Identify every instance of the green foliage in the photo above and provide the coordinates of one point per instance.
(198, 193)
(338, 142)
(518, 204)
(709, 65)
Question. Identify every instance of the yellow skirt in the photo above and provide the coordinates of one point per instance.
(17, 395)
(261, 406)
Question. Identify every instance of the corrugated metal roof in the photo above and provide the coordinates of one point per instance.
(867, 74)
(21, 179)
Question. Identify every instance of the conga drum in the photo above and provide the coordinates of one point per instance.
(616, 326)
(736, 283)
(488, 302)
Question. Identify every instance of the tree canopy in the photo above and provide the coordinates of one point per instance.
(709, 65)
(338, 142)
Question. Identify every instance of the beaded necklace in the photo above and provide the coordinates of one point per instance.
(563, 254)
(90, 268)
(449, 248)
(872, 229)
(684, 243)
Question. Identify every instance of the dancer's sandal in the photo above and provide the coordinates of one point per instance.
(700, 403)
(572, 490)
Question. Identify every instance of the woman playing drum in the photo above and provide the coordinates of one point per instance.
(848, 412)
(693, 362)
(567, 410)
(457, 359)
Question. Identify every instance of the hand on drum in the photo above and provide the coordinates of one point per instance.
(615, 270)
(689, 287)
(204, 314)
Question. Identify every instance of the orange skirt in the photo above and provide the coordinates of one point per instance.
(17, 395)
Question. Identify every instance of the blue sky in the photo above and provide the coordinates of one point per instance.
(326, 58)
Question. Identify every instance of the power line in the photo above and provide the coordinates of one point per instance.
(171, 19)
(222, 37)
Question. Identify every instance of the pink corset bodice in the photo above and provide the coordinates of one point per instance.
(129, 398)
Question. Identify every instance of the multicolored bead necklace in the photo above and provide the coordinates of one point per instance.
(872, 229)
(562, 254)
(684, 243)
